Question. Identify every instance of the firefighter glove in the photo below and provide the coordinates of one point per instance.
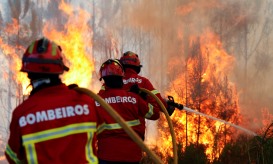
(135, 89)
(170, 107)
(72, 86)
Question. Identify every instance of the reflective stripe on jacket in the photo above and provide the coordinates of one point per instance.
(131, 77)
(113, 142)
(54, 125)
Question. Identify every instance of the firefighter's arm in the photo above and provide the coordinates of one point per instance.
(147, 110)
(135, 89)
(149, 86)
(149, 99)
(14, 150)
(169, 104)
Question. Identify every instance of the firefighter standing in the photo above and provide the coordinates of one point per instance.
(132, 80)
(114, 145)
(55, 124)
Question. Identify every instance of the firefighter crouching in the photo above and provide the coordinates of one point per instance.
(55, 124)
(114, 145)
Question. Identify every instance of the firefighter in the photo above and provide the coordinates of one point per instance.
(114, 145)
(133, 81)
(55, 124)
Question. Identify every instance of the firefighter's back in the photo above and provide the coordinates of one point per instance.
(114, 144)
(57, 126)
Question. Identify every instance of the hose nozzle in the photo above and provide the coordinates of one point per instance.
(174, 104)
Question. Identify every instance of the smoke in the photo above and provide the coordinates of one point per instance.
(161, 32)
(164, 31)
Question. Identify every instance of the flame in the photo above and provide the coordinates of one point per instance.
(267, 123)
(204, 86)
(11, 53)
(185, 9)
(2, 158)
(76, 42)
(267, 117)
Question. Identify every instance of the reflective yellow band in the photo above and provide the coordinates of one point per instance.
(150, 112)
(29, 140)
(12, 155)
(89, 150)
(102, 88)
(30, 50)
(54, 49)
(155, 92)
(31, 154)
(114, 126)
(58, 132)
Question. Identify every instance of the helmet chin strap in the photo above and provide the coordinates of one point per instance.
(39, 82)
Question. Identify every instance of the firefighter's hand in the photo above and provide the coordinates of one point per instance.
(72, 86)
(134, 88)
(170, 107)
(143, 95)
(171, 102)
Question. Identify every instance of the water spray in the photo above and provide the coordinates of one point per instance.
(181, 107)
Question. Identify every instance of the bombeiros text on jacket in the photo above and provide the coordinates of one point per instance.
(53, 114)
(118, 99)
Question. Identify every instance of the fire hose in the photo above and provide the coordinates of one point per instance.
(121, 122)
(182, 107)
(175, 155)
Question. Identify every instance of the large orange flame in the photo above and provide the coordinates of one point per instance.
(203, 86)
(76, 42)
(11, 52)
